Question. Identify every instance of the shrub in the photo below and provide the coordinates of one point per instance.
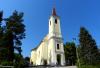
(6, 63)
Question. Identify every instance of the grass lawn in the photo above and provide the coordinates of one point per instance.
(89, 66)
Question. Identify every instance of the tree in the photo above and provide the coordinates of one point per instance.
(1, 29)
(15, 32)
(18, 61)
(3, 50)
(11, 35)
(27, 61)
(70, 53)
(88, 51)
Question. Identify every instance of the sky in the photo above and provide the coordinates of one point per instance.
(73, 14)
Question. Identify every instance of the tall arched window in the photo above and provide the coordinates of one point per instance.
(50, 22)
(57, 46)
(56, 21)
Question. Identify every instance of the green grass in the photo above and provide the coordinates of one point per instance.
(89, 66)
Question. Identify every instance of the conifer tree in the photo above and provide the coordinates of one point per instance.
(1, 29)
(11, 35)
(88, 51)
(3, 49)
(14, 33)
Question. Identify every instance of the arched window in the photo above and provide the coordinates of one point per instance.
(57, 46)
(50, 22)
(56, 21)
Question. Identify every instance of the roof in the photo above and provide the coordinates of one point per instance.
(45, 38)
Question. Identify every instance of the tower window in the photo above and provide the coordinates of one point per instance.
(56, 21)
(50, 22)
(57, 46)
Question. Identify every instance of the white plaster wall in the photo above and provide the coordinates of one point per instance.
(54, 29)
(33, 57)
(51, 27)
(44, 50)
(39, 51)
(51, 48)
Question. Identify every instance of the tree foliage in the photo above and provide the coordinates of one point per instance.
(26, 61)
(70, 53)
(88, 51)
(11, 35)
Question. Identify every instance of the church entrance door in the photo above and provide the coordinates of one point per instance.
(58, 59)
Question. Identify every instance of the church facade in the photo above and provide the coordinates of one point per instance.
(50, 51)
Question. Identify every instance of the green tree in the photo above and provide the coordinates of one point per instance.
(1, 17)
(26, 61)
(3, 50)
(88, 51)
(70, 53)
(1, 29)
(15, 32)
(11, 35)
(18, 61)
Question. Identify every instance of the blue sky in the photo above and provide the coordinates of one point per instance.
(73, 14)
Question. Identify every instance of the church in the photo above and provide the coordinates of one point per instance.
(50, 51)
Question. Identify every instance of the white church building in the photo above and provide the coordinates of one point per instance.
(50, 51)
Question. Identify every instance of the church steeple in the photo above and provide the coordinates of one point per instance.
(54, 24)
(55, 42)
(54, 12)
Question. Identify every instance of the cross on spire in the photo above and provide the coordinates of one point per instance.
(54, 12)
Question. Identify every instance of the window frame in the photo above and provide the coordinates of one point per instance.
(58, 46)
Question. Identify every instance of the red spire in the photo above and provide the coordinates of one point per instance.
(54, 12)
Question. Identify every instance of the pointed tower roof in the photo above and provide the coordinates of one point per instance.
(54, 12)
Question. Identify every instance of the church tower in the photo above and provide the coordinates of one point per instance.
(55, 43)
